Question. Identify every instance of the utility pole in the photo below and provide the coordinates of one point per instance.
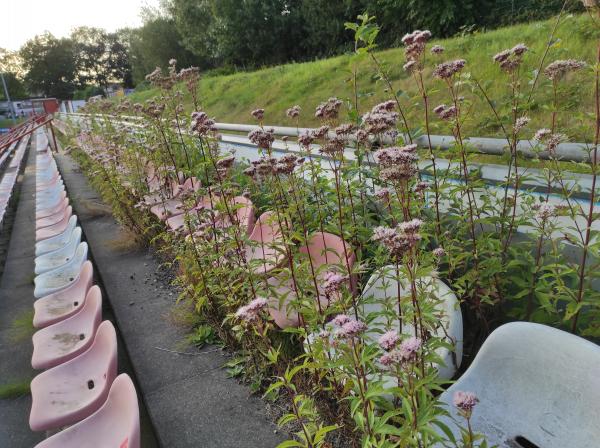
(10, 104)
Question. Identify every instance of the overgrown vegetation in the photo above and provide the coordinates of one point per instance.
(344, 297)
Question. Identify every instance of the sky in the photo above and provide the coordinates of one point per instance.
(20, 20)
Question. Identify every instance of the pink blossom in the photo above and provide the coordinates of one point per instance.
(465, 401)
(388, 340)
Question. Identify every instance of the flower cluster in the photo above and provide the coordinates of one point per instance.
(511, 59)
(251, 312)
(415, 43)
(400, 240)
(520, 123)
(388, 340)
(558, 69)
(288, 163)
(437, 49)
(293, 112)
(406, 353)
(333, 283)
(397, 162)
(465, 401)
(201, 124)
(328, 110)
(445, 112)
(382, 118)
(447, 70)
(549, 139)
(258, 114)
(544, 211)
(263, 138)
(347, 327)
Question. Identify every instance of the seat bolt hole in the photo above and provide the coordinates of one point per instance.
(81, 337)
(75, 303)
(525, 443)
(70, 279)
(90, 384)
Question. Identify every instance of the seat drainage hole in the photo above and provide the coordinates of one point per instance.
(75, 303)
(90, 384)
(71, 279)
(81, 337)
(525, 443)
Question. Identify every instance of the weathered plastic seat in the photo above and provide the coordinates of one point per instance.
(59, 257)
(41, 206)
(265, 251)
(41, 196)
(53, 219)
(116, 424)
(176, 223)
(76, 389)
(326, 253)
(62, 304)
(243, 210)
(535, 384)
(381, 295)
(167, 209)
(54, 229)
(66, 339)
(42, 185)
(58, 241)
(61, 277)
(60, 206)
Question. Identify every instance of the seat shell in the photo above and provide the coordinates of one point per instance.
(61, 277)
(536, 382)
(59, 257)
(76, 389)
(66, 339)
(58, 306)
(54, 218)
(381, 294)
(53, 230)
(58, 241)
(265, 251)
(116, 424)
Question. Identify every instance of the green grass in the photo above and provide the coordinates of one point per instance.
(14, 390)
(231, 98)
(22, 328)
(8, 123)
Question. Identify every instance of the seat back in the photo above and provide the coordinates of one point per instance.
(266, 229)
(534, 382)
(326, 248)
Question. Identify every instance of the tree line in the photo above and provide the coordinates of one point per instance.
(228, 35)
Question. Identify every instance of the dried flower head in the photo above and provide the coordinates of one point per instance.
(259, 114)
(415, 43)
(447, 70)
(400, 240)
(293, 112)
(558, 69)
(201, 124)
(263, 138)
(512, 58)
(437, 49)
(328, 110)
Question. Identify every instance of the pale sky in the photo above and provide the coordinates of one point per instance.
(22, 19)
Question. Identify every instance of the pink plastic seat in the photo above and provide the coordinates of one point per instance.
(55, 229)
(53, 219)
(60, 206)
(176, 223)
(115, 425)
(167, 209)
(42, 208)
(265, 251)
(65, 340)
(243, 211)
(76, 389)
(326, 254)
(60, 305)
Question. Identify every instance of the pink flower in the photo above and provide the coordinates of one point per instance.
(388, 340)
(558, 69)
(258, 114)
(447, 70)
(437, 49)
(340, 320)
(333, 283)
(409, 349)
(250, 312)
(465, 401)
(438, 252)
(351, 329)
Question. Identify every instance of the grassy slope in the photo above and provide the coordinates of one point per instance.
(231, 98)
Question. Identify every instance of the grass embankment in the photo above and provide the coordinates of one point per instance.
(231, 98)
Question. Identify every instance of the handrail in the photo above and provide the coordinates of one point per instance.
(575, 152)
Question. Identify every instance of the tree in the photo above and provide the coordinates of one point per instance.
(154, 44)
(10, 67)
(50, 66)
